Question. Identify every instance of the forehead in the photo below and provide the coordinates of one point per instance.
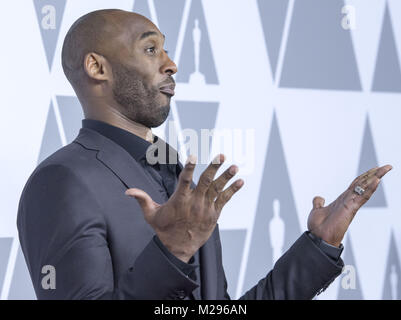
(135, 27)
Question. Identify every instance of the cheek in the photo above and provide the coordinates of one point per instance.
(150, 75)
(150, 85)
(155, 82)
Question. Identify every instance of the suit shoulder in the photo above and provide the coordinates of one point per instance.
(71, 156)
(63, 175)
(64, 167)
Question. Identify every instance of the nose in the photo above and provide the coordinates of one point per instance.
(168, 66)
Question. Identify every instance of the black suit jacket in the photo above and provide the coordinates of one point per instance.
(73, 215)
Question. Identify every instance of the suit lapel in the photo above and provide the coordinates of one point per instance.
(120, 162)
(132, 175)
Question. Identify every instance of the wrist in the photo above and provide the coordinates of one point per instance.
(331, 251)
(326, 238)
(182, 252)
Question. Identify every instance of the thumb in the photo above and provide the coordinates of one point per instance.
(318, 202)
(145, 201)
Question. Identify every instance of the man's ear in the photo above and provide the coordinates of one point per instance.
(97, 67)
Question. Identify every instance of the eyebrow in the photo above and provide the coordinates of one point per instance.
(148, 34)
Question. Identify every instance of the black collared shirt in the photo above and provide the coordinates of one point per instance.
(164, 174)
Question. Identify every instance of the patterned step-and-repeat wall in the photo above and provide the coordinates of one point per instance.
(310, 91)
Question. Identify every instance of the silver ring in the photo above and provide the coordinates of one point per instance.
(359, 190)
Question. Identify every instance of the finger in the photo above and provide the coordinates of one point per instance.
(185, 177)
(207, 176)
(383, 170)
(370, 180)
(318, 202)
(361, 177)
(369, 186)
(217, 185)
(354, 200)
(226, 195)
(148, 206)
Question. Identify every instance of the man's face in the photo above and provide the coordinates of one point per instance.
(142, 70)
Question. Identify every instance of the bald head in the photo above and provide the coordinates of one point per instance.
(96, 32)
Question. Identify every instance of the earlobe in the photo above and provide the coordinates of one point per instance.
(94, 65)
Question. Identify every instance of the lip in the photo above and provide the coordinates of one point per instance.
(168, 89)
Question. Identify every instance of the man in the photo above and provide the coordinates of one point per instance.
(77, 213)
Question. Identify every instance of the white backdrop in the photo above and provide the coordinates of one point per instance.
(319, 96)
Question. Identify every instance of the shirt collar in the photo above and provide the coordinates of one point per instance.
(133, 144)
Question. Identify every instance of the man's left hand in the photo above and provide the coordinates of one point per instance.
(331, 222)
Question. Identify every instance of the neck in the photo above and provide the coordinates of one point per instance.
(115, 118)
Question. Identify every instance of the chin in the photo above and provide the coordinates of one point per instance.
(160, 115)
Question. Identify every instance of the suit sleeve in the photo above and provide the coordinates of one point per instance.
(61, 224)
(301, 273)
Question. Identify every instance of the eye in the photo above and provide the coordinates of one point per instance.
(151, 50)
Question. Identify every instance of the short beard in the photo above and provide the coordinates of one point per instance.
(140, 104)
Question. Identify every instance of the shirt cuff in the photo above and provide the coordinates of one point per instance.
(331, 251)
(186, 268)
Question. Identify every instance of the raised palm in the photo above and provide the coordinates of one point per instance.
(331, 222)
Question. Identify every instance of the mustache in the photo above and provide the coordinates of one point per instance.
(168, 81)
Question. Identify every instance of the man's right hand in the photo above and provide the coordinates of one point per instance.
(186, 221)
